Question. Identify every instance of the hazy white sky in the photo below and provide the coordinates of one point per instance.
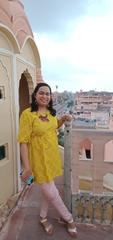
(75, 42)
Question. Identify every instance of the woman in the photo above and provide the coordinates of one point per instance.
(40, 153)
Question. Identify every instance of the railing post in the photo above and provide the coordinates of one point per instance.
(67, 165)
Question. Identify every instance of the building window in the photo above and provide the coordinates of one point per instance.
(88, 153)
(2, 92)
(3, 152)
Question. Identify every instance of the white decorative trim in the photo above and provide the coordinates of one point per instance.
(6, 52)
(22, 60)
(16, 117)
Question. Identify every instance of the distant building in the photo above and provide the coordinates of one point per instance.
(94, 107)
(93, 100)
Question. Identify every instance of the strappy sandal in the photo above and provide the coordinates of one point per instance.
(70, 229)
(48, 228)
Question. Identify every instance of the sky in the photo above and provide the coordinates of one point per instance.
(75, 42)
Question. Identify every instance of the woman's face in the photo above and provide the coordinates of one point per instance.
(43, 96)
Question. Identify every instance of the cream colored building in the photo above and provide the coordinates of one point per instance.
(20, 69)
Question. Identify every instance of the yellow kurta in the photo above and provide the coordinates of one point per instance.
(41, 137)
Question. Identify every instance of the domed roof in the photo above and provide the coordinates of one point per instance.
(12, 15)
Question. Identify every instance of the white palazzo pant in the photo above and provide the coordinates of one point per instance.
(50, 194)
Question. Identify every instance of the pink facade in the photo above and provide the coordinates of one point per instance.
(13, 16)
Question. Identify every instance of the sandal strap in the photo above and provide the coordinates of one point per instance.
(43, 220)
(72, 230)
(70, 221)
(61, 220)
(48, 228)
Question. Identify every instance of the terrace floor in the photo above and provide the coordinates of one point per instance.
(23, 222)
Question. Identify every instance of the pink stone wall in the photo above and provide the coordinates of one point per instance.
(13, 16)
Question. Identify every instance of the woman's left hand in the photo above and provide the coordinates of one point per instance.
(67, 117)
(64, 118)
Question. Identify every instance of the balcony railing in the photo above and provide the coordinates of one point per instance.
(96, 203)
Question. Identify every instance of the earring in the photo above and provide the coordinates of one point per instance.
(35, 101)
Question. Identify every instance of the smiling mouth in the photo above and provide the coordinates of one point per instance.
(44, 101)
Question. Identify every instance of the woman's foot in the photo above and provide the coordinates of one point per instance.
(48, 227)
(70, 226)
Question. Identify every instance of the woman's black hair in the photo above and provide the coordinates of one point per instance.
(34, 104)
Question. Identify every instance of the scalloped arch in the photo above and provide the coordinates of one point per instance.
(34, 48)
(10, 35)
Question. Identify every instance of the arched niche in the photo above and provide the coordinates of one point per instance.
(85, 150)
(30, 51)
(8, 40)
(25, 91)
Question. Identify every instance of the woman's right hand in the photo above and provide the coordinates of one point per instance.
(25, 175)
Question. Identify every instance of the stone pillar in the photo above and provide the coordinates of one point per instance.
(67, 165)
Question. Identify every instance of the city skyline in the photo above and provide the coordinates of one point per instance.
(74, 42)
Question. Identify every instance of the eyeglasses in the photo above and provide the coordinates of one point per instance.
(41, 93)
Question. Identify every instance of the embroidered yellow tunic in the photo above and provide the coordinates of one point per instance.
(41, 137)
